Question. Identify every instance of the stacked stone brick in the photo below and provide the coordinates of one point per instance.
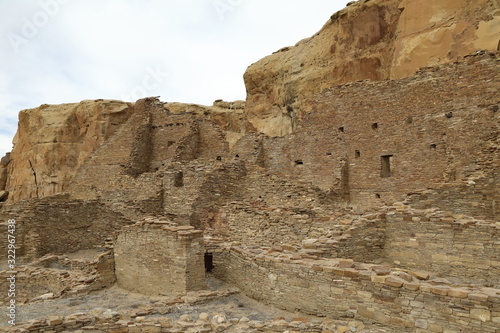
(157, 258)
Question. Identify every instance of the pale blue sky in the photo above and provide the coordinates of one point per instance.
(194, 51)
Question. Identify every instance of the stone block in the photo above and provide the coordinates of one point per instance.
(346, 263)
(411, 286)
(458, 292)
(378, 279)
(478, 297)
(151, 329)
(343, 329)
(435, 328)
(394, 282)
(443, 291)
(480, 314)
(54, 320)
(366, 312)
(420, 275)
(421, 323)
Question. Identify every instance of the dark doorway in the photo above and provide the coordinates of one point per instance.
(209, 262)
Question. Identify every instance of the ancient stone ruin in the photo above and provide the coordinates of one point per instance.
(355, 190)
(157, 259)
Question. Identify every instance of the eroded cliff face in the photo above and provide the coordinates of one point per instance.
(3, 177)
(53, 141)
(368, 40)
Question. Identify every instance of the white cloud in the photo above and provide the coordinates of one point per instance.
(71, 50)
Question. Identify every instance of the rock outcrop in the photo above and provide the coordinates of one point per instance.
(368, 40)
(53, 141)
(3, 171)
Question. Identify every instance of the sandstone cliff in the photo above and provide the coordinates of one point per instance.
(53, 141)
(369, 39)
(3, 176)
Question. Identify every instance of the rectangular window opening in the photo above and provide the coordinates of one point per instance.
(178, 179)
(386, 166)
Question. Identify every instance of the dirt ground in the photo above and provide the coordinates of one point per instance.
(116, 299)
(120, 300)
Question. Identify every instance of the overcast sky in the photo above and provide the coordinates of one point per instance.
(193, 51)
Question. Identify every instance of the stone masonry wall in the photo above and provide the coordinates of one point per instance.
(59, 225)
(55, 276)
(373, 143)
(157, 258)
(128, 171)
(456, 247)
(371, 293)
(440, 126)
(481, 200)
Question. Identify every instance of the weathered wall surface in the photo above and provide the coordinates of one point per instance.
(60, 225)
(453, 246)
(374, 40)
(152, 139)
(159, 259)
(53, 141)
(481, 200)
(119, 167)
(371, 293)
(438, 132)
(55, 276)
(229, 116)
(440, 127)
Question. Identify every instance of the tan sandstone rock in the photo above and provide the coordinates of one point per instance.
(3, 171)
(374, 40)
(52, 141)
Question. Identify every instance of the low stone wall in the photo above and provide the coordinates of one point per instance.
(55, 276)
(156, 258)
(371, 293)
(59, 225)
(454, 246)
(482, 197)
